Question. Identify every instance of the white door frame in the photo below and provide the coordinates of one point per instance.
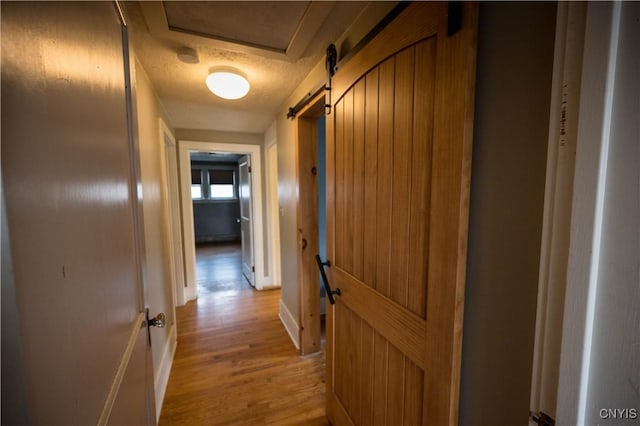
(273, 215)
(592, 146)
(563, 126)
(185, 147)
(594, 125)
(171, 200)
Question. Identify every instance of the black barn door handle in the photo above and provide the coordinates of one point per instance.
(327, 287)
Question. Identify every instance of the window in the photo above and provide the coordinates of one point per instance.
(212, 182)
(196, 184)
(221, 184)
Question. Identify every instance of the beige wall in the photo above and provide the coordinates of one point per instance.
(218, 136)
(159, 283)
(513, 87)
(287, 179)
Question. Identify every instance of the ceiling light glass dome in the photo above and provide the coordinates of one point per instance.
(227, 85)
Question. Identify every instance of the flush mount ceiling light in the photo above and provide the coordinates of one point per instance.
(227, 84)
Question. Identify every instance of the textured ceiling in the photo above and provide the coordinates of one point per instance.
(273, 77)
(268, 24)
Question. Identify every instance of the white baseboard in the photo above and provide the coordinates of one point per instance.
(190, 293)
(162, 376)
(290, 324)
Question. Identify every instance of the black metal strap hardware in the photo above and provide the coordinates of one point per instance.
(454, 18)
(325, 280)
(333, 61)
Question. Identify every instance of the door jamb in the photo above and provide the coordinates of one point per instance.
(603, 21)
(598, 42)
(554, 251)
(306, 147)
(273, 216)
(173, 221)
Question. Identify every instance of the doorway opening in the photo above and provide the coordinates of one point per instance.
(222, 217)
(221, 204)
(311, 221)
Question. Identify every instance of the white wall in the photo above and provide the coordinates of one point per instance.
(159, 281)
(614, 373)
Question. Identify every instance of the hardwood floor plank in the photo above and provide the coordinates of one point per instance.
(235, 363)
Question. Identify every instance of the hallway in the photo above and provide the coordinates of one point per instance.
(235, 363)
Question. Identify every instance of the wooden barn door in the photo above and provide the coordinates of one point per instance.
(399, 161)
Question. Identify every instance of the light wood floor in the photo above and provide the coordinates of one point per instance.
(235, 363)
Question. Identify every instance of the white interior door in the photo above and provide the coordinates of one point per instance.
(69, 184)
(246, 218)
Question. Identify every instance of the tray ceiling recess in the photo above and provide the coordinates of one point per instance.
(277, 29)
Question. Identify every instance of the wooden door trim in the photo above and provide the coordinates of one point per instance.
(330, 243)
(306, 147)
